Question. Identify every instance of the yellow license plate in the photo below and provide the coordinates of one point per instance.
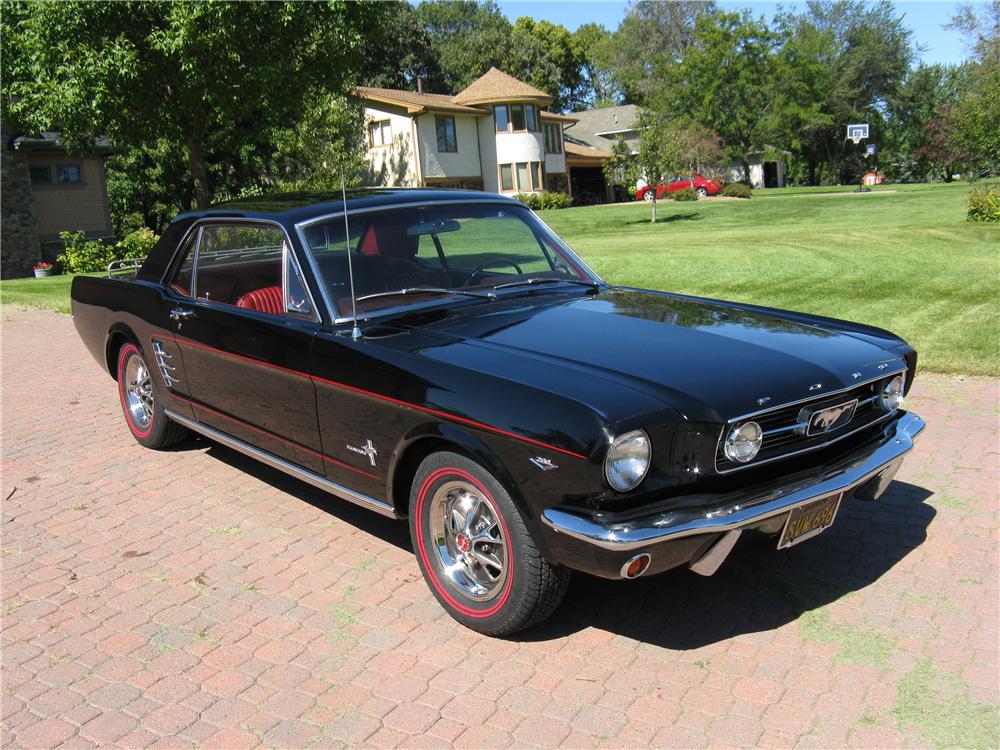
(809, 520)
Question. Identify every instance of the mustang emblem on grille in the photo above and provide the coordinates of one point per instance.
(818, 421)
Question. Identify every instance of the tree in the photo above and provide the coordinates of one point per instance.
(844, 62)
(599, 87)
(658, 156)
(977, 112)
(202, 75)
(699, 147)
(397, 51)
(563, 58)
(731, 80)
(653, 35)
(920, 130)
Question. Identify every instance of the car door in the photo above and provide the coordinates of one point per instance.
(246, 331)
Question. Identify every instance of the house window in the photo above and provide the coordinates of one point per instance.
(553, 138)
(445, 127)
(379, 133)
(514, 117)
(528, 176)
(531, 117)
(40, 174)
(69, 174)
(506, 177)
(503, 121)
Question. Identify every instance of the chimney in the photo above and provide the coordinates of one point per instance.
(420, 85)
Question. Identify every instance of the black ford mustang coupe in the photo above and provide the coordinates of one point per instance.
(443, 356)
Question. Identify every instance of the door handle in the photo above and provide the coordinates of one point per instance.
(179, 313)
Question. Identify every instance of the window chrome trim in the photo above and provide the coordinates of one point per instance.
(301, 226)
(199, 225)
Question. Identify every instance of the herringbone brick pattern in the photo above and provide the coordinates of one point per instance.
(194, 598)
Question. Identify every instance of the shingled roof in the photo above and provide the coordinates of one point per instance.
(497, 86)
(598, 127)
(415, 103)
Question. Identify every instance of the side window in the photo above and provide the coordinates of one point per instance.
(181, 282)
(240, 264)
(297, 298)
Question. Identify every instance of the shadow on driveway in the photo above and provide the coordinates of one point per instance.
(758, 588)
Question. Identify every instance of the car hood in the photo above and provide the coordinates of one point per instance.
(706, 359)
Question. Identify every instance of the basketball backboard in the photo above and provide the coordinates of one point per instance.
(857, 131)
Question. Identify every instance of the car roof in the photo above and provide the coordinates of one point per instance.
(295, 208)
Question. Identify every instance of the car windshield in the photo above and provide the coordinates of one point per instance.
(409, 255)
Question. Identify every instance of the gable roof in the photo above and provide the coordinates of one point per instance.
(599, 127)
(415, 103)
(497, 86)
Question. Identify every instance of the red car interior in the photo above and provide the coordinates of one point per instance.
(266, 300)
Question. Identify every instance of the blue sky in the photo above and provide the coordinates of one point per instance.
(925, 18)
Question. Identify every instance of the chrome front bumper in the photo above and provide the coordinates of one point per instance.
(645, 532)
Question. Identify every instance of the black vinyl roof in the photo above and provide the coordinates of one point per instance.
(295, 208)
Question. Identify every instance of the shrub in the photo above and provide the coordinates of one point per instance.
(983, 204)
(737, 190)
(685, 194)
(81, 255)
(556, 201)
(544, 201)
(136, 244)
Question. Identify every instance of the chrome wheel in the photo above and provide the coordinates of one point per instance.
(468, 538)
(138, 389)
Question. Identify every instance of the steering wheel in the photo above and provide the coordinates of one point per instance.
(491, 262)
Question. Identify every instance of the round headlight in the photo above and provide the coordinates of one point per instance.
(892, 394)
(628, 460)
(743, 442)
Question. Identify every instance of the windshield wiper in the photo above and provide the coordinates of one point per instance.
(428, 290)
(546, 280)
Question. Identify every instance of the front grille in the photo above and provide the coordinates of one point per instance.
(784, 434)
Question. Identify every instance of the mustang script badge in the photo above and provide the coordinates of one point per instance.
(367, 450)
(818, 421)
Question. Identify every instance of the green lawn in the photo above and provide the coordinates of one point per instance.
(51, 293)
(905, 260)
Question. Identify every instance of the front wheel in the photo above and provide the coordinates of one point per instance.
(141, 403)
(648, 195)
(702, 192)
(474, 550)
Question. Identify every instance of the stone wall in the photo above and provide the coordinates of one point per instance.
(19, 250)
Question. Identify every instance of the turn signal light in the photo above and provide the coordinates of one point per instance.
(636, 566)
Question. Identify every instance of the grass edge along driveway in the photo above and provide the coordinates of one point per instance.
(906, 261)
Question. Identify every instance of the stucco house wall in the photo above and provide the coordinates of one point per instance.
(394, 165)
(463, 163)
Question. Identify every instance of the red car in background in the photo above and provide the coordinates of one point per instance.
(702, 186)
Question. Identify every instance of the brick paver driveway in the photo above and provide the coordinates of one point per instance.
(193, 597)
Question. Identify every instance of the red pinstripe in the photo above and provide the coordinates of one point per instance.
(390, 399)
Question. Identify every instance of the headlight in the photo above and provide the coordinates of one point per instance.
(743, 442)
(627, 461)
(892, 394)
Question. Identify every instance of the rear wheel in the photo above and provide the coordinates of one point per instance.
(141, 402)
(474, 550)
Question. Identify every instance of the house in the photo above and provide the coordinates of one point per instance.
(591, 138)
(589, 143)
(47, 191)
(495, 135)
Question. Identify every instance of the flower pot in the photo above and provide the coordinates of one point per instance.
(41, 273)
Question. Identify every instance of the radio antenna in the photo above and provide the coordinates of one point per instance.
(355, 331)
